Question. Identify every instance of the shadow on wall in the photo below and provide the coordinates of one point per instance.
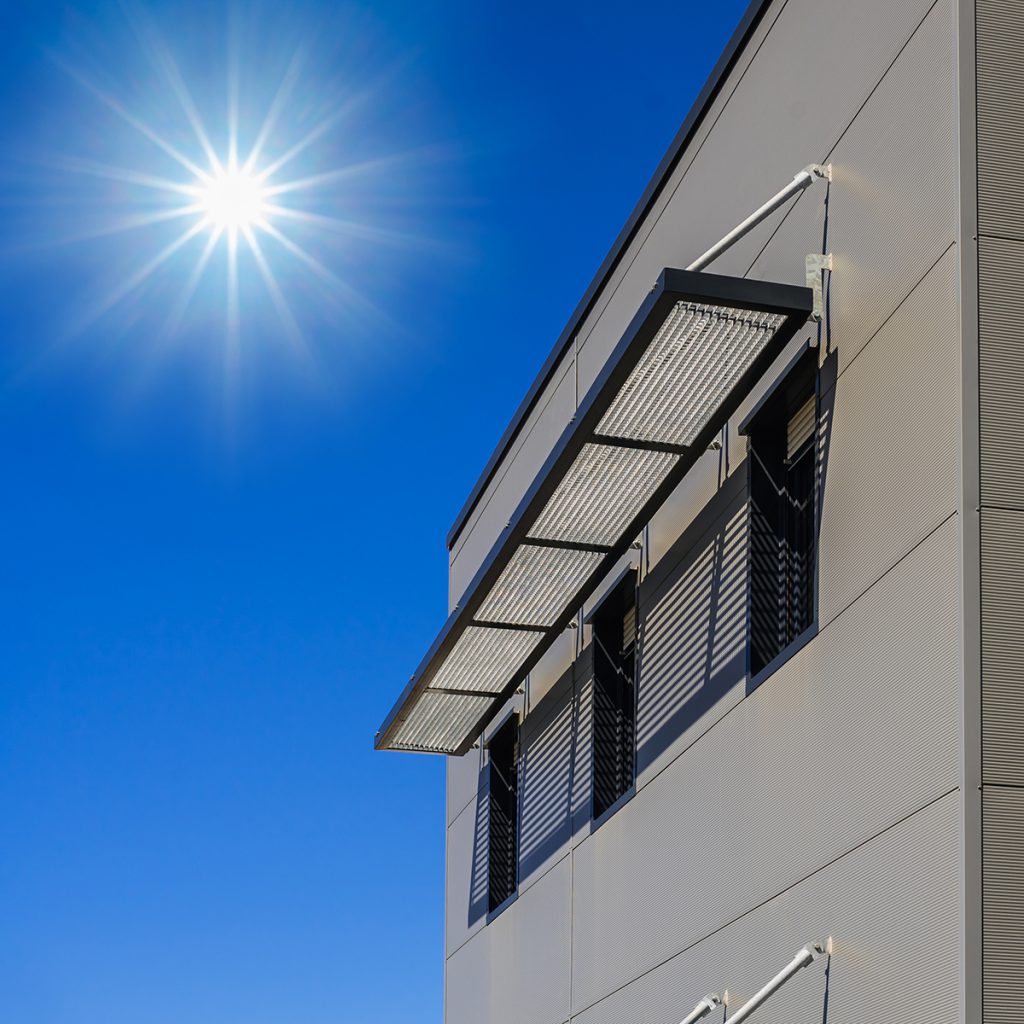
(692, 637)
(555, 764)
(827, 378)
(478, 875)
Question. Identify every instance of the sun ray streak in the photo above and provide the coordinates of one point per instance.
(303, 144)
(136, 279)
(339, 174)
(291, 328)
(160, 57)
(234, 82)
(118, 227)
(343, 290)
(354, 101)
(284, 90)
(181, 306)
(299, 253)
(188, 105)
(96, 169)
(338, 225)
(136, 123)
(231, 351)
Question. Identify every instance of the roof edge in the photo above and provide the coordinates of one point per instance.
(748, 24)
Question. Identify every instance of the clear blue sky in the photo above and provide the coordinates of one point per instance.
(218, 571)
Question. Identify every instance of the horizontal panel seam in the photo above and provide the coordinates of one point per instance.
(821, 631)
(991, 507)
(469, 803)
(982, 235)
(867, 99)
(774, 896)
(899, 306)
(519, 895)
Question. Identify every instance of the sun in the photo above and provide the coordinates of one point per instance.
(233, 199)
(245, 202)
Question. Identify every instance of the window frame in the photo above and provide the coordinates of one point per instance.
(780, 394)
(627, 581)
(511, 724)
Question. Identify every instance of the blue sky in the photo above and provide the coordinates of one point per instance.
(219, 564)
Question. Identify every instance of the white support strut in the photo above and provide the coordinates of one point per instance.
(702, 1009)
(805, 957)
(810, 174)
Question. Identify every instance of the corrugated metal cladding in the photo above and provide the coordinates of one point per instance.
(695, 347)
(1001, 367)
(1000, 98)
(1000, 84)
(1003, 859)
(1002, 653)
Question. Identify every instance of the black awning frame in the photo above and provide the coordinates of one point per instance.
(672, 287)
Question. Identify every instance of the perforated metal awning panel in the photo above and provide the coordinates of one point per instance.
(692, 352)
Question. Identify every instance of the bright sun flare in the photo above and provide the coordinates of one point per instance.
(260, 203)
(233, 200)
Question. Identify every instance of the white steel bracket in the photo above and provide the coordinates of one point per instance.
(816, 264)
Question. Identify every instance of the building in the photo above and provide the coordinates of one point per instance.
(733, 661)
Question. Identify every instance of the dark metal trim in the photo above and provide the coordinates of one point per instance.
(518, 627)
(746, 28)
(567, 545)
(629, 570)
(644, 446)
(673, 286)
(780, 380)
(451, 691)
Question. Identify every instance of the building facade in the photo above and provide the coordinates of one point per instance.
(790, 711)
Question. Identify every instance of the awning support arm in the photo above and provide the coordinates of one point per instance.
(804, 958)
(807, 177)
(702, 1009)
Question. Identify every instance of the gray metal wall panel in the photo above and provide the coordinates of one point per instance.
(892, 907)
(516, 971)
(1001, 337)
(1002, 646)
(1000, 84)
(891, 442)
(855, 732)
(465, 908)
(462, 780)
(1003, 862)
(892, 208)
(770, 122)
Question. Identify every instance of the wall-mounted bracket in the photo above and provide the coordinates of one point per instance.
(702, 1009)
(816, 264)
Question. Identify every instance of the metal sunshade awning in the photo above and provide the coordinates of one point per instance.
(692, 352)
